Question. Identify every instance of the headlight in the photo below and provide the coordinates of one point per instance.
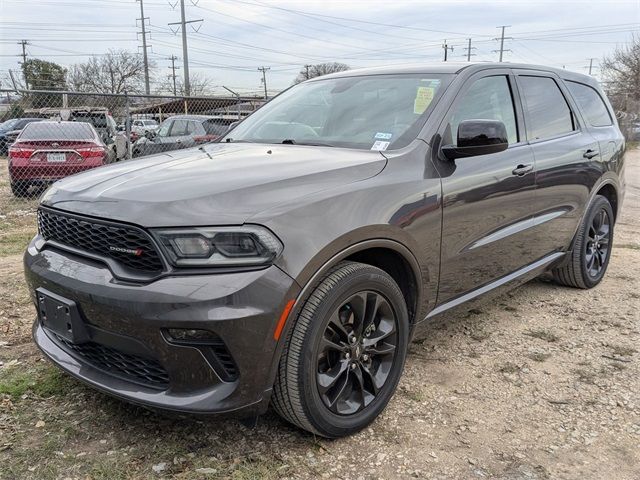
(219, 246)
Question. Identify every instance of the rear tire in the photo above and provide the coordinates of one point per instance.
(345, 353)
(20, 189)
(591, 248)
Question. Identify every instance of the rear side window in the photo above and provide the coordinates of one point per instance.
(214, 128)
(548, 113)
(194, 128)
(179, 128)
(591, 103)
(487, 99)
(57, 131)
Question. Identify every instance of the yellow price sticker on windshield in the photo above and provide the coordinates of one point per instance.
(424, 96)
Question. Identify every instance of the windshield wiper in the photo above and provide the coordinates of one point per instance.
(290, 141)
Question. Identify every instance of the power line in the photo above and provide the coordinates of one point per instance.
(321, 16)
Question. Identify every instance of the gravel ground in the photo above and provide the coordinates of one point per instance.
(540, 383)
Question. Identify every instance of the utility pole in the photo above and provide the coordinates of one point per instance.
(307, 70)
(173, 67)
(185, 55)
(264, 79)
(591, 65)
(13, 80)
(24, 44)
(144, 47)
(237, 95)
(446, 49)
(502, 39)
(468, 48)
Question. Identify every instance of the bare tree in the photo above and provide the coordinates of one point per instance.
(621, 78)
(312, 71)
(199, 84)
(621, 74)
(116, 72)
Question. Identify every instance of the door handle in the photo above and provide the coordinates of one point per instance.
(522, 170)
(590, 154)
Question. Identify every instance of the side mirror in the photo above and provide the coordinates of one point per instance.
(150, 135)
(478, 137)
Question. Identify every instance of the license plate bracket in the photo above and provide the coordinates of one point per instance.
(61, 316)
(56, 157)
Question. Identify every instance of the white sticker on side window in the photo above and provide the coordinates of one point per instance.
(380, 145)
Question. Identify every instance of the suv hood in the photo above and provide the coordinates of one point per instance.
(212, 185)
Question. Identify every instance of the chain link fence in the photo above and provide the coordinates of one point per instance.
(49, 135)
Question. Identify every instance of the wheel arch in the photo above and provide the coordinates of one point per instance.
(379, 252)
(608, 190)
(389, 255)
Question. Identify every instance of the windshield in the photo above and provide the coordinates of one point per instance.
(375, 112)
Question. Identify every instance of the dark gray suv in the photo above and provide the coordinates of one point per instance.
(293, 261)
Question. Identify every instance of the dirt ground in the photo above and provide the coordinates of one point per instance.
(541, 383)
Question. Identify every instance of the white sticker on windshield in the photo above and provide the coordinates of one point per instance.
(383, 136)
(380, 145)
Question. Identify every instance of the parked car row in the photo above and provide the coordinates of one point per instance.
(180, 131)
(10, 130)
(42, 150)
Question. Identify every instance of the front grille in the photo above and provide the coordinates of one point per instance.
(129, 246)
(133, 368)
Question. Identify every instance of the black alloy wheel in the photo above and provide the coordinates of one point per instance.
(587, 261)
(356, 352)
(597, 245)
(344, 352)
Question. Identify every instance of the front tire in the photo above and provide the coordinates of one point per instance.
(591, 248)
(345, 353)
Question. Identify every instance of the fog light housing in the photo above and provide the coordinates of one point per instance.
(195, 335)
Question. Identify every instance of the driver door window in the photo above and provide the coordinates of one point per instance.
(489, 98)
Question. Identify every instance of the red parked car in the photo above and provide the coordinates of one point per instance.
(48, 151)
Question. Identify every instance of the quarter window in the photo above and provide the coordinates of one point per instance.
(487, 99)
(591, 103)
(548, 114)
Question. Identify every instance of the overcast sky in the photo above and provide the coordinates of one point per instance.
(238, 36)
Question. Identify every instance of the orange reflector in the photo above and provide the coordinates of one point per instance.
(283, 319)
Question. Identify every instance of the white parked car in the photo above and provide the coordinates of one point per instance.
(142, 127)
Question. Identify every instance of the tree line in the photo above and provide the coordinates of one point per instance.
(120, 71)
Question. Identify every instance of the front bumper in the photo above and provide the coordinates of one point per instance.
(128, 324)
